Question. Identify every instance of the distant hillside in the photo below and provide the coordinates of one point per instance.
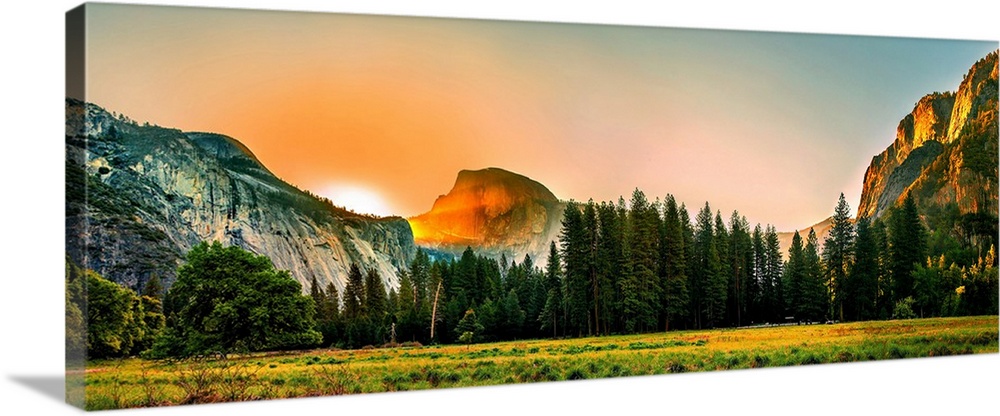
(495, 212)
(821, 228)
(138, 197)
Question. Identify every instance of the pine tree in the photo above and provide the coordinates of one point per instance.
(331, 308)
(690, 263)
(552, 311)
(354, 294)
(590, 227)
(838, 251)
(795, 277)
(609, 262)
(638, 285)
(815, 296)
(675, 292)
(375, 296)
(576, 256)
(774, 266)
(755, 285)
(907, 248)
(317, 295)
(721, 283)
(153, 287)
(740, 264)
(709, 295)
(862, 290)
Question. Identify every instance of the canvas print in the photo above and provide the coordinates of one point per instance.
(267, 204)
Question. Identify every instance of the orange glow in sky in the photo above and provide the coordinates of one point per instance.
(380, 113)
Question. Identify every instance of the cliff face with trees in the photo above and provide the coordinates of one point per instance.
(140, 196)
(945, 152)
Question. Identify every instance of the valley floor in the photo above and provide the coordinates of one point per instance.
(140, 383)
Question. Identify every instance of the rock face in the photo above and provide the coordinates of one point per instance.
(945, 150)
(139, 197)
(495, 212)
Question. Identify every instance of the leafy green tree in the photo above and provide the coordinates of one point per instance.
(117, 323)
(980, 286)
(228, 299)
(469, 330)
(76, 326)
(110, 318)
(903, 309)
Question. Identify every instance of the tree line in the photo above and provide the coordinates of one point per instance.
(647, 266)
(618, 268)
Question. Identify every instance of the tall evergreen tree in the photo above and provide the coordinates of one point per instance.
(376, 300)
(317, 295)
(755, 285)
(838, 251)
(774, 264)
(862, 287)
(814, 294)
(575, 254)
(590, 226)
(883, 300)
(552, 311)
(609, 262)
(354, 293)
(740, 264)
(907, 248)
(153, 287)
(638, 283)
(794, 278)
(721, 284)
(675, 292)
(709, 296)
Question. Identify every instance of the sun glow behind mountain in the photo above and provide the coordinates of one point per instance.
(357, 198)
(768, 123)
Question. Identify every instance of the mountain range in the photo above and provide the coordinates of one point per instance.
(140, 196)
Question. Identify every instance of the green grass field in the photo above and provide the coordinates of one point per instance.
(139, 383)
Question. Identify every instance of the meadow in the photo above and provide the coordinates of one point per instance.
(135, 382)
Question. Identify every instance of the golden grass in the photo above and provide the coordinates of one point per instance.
(138, 383)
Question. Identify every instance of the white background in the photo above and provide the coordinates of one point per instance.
(31, 235)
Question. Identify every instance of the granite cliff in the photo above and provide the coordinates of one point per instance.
(494, 211)
(945, 151)
(140, 196)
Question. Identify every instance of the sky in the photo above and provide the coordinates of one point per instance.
(380, 113)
